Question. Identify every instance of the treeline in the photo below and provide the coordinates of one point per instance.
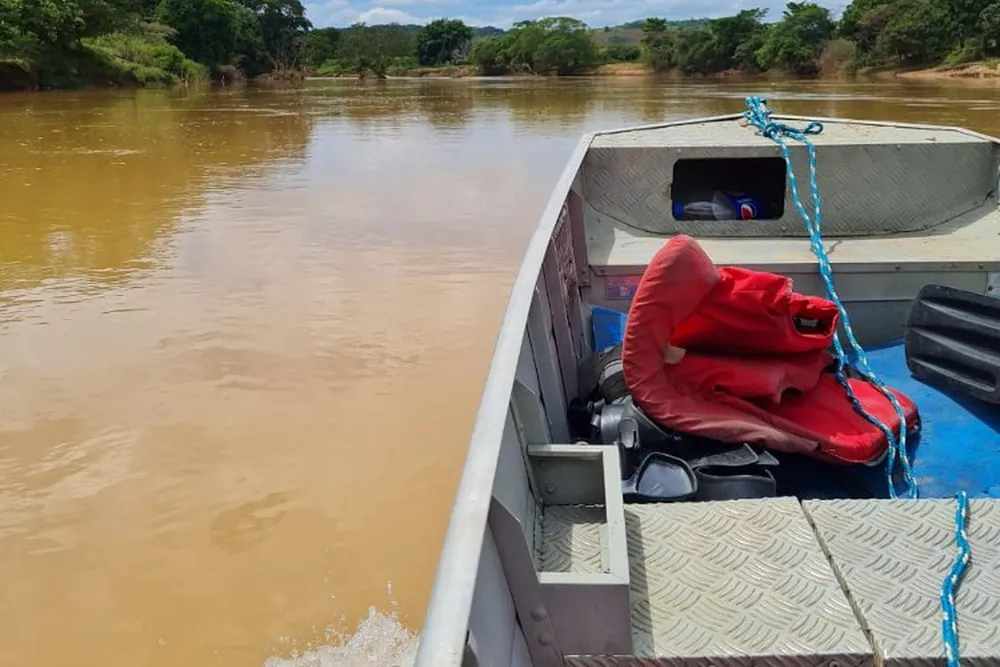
(805, 40)
(61, 43)
(906, 33)
(558, 45)
(64, 43)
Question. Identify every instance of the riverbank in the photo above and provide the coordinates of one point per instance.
(986, 70)
(977, 71)
(629, 69)
(114, 60)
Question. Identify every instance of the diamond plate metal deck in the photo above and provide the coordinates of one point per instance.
(733, 584)
(570, 539)
(893, 555)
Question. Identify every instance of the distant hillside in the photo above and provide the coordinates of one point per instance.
(682, 24)
(485, 31)
(619, 35)
(488, 31)
(631, 33)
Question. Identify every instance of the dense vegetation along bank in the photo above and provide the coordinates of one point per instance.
(805, 40)
(71, 43)
(49, 43)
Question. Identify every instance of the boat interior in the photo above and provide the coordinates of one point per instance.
(602, 549)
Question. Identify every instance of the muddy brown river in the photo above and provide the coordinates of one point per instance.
(243, 335)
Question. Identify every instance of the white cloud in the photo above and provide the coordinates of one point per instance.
(330, 12)
(384, 15)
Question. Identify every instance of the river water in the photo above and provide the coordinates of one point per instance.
(243, 335)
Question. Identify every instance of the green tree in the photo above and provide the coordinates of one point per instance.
(989, 21)
(865, 25)
(362, 48)
(622, 53)
(794, 44)
(557, 45)
(49, 23)
(319, 46)
(491, 56)
(283, 25)
(212, 32)
(965, 17)
(568, 47)
(917, 32)
(443, 41)
(658, 44)
(850, 21)
(737, 38)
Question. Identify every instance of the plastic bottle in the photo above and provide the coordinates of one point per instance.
(721, 206)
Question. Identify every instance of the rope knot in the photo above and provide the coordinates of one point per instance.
(758, 115)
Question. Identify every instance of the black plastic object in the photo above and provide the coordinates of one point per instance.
(606, 417)
(735, 472)
(953, 341)
(602, 375)
(660, 478)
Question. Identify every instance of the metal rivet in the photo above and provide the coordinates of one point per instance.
(545, 638)
(539, 613)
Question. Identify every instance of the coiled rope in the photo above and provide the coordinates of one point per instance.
(759, 116)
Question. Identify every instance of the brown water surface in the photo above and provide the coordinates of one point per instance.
(243, 335)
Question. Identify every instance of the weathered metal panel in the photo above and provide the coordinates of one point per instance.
(526, 591)
(492, 622)
(512, 486)
(590, 617)
(866, 190)
(546, 359)
(574, 207)
(562, 287)
(520, 656)
(584, 573)
(874, 179)
(443, 637)
(893, 555)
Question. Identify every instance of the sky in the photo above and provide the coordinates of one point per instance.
(502, 13)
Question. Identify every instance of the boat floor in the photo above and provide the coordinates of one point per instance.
(958, 447)
(817, 580)
(971, 240)
(750, 582)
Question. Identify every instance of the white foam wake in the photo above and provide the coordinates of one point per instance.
(380, 640)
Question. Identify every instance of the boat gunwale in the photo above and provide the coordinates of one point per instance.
(442, 641)
(443, 637)
(804, 119)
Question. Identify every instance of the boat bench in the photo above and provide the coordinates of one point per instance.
(742, 582)
(902, 207)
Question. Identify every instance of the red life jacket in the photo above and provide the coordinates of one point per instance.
(754, 360)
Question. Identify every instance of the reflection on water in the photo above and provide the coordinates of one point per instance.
(243, 335)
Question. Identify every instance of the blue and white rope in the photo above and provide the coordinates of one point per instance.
(949, 620)
(759, 116)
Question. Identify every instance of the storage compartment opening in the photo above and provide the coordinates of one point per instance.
(728, 189)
